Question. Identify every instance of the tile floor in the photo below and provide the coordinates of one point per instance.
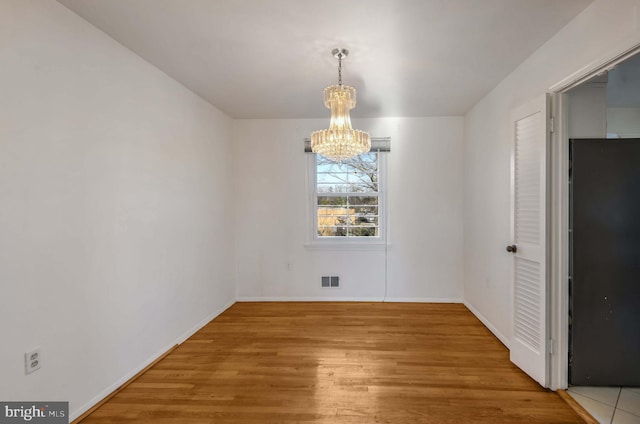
(609, 405)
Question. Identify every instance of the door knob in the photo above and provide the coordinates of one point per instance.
(512, 249)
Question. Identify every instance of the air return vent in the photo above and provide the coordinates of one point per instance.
(330, 281)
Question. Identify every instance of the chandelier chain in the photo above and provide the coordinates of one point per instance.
(339, 68)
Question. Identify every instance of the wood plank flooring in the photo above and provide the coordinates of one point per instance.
(337, 363)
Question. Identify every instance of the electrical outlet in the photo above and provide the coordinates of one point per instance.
(32, 360)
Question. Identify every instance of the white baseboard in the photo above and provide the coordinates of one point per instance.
(423, 300)
(347, 299)
(505, 340)
(106, 392)
(307, 299)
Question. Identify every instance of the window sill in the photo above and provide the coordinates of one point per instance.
(378, 245)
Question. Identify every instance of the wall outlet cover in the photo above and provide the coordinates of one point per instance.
(32, 360)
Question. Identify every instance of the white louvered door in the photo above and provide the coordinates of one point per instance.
(530, 130)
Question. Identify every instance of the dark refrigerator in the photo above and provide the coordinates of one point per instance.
(605, 262)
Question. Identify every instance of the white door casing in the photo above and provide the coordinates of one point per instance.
(559, 207)
(530, 142)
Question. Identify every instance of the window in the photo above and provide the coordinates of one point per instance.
(348, 198)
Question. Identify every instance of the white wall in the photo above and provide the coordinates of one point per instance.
(624, 121)
(623, 99)
(424, 205)
(115, 207)
(623, 87)
(602, 26)
(587, 111)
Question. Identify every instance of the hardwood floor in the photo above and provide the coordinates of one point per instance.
(337, 363)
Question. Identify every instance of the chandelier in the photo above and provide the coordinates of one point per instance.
(340, 142)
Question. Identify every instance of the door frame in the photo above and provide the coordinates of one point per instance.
(558, 208)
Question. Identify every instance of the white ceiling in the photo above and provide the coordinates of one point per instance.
(271, 58)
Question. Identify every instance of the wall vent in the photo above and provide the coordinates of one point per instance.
(330, 281)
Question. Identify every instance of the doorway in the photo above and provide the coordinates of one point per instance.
(610, 120)
(604, 232)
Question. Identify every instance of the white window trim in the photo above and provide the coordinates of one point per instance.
(349, 243)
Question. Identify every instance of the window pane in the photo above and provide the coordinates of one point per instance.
(357, 175)
(332, 231)
(332, 201)
(363, 231)
(365, 219)
(363, 200)
(326, 231)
